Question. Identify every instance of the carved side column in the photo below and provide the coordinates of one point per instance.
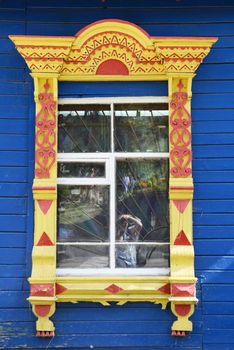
(42, 281)
(181, 194)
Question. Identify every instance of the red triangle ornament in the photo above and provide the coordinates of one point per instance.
(45, 240)
(181, 205)
(166, 288)
(181, 239)
(44, 205)
(60, 289)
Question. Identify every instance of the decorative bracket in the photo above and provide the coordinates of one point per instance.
(113, 50)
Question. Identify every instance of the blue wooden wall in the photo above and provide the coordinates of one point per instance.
(134, 326)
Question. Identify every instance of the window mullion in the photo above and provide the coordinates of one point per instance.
(112, 194)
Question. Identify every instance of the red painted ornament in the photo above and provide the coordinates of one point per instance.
(44, 205)
(180, 136)
(112, 67)
(182, 289)
(45, 240)
(42, 310)
(45, 134)
(165, 289)
(182, 309)
(181, 239)
(60, 289)
(42, 289)
(113, 288)
(181, 205)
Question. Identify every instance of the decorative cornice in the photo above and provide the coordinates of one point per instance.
(123, 50)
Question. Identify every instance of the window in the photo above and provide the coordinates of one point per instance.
(113, 187)
(94, 139)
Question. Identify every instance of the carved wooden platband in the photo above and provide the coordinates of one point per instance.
(113, 50)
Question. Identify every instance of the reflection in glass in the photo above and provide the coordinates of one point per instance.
(143, 256)
(81, 169)
(84, 256)
(142, 200)
(83, 213)
(84, 128)
(141, 128)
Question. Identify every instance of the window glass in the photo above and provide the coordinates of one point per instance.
(141, 128)
(84, 128)
(81, 169)
(113, 210)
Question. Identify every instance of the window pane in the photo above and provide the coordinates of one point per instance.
(83, 213)
(81, 169)
(141, 128)
(84, 256)
(142, 200)
(147, 256)
(84, 128)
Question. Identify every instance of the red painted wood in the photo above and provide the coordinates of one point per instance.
(181, 205)
(45, 240)
(182, 309)
(44, 205)
(42, 310)
(45, 289)
(112, 67)
(181, 239)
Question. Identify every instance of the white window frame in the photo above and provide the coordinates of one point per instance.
(109, 159)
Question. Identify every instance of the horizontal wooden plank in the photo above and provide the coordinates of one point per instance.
(87, 327)
(214, 191)
(13, 100)
(214, 262)
(218, 322)
(12, 15)
(214, 292)
(12, 271)
(213, 206)
(12, 27)
(214, 247)
(219, 100)
(218, 308)
(213, 176)
(9, 74)
(146, 15)
(13, 127)
(204, 115)
(211, 138)
(218, 127)
(13, 143)
(15, 112)
(117, 340)
(213, 164)
(13, 158)
(215, 71)
(218, 336)
(11, 284)
(215, 277)
(154, 29)
(13, 205)
(218, 346)
(213, 219)
(13, 174)
(124, 3)
(213, 232)
(11, 190)
(83, 89)
(212, 87)
(13, 88)
(12, 256)
(13, 223)
(12, 240)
